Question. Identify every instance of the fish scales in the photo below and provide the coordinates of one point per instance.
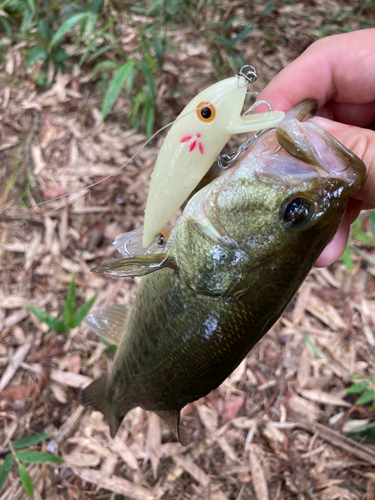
(237, 255)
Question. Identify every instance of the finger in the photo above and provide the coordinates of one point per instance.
(341, 68)
(360, 115)
(335, 249)
(362, 143)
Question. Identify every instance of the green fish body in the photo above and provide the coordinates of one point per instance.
(241, 249)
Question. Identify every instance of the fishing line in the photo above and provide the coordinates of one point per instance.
(248, 79)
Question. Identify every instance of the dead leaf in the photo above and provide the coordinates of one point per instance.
(258, 476)
(153, 443)
(232, 406)
(74, 364)
(8, 142)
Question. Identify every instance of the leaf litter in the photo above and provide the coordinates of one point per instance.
(274, 427)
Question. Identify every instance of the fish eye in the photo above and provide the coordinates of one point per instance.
(298, 212)
(160, 241)
(206, 112)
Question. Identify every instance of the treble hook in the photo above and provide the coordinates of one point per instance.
(225, 161)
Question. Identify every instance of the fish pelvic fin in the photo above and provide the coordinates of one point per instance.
(139, 265)
(94, 396)
(172, 419)
(109, 322)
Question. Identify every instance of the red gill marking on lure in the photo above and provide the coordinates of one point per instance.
(192, 145)
(187, 138)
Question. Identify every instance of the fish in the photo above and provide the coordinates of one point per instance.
(192, 144)
(215, 284)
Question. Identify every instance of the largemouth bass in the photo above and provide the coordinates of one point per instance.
(237, 255)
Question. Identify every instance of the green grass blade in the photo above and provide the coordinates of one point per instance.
(82, 312)
(65, 27)
(346, 259)
(37, 457)
(310, 344)
(115, 87)
(48, 319)
(372, 223)
(30, 441)
(70, 303)
(26, 481)
(5, 468)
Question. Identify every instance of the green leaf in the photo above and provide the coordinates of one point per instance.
(59, 55)
(37, 457)
(113, 496)
(360, 235)
(365, 433)
(372, 222)
(115, 87)
(310, 344)
(372, 378)
(82, 312)
(70, 303)
(356, 376)
(372, 407)
(224, 42)
(244, 34)
(5, 468)
(65, 27)
(44, 30)
(31, 4)
(30, 441)
(358, 387)
(90, 25)
(366, 397)
(48, 319)
(346, 258)
(159, 50)
(26, 481)
(6, 26)
(36, 54)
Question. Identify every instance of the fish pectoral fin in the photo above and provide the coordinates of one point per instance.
(255, 121)
(139, 265)
(94, 396)
(172, 419)
(109, 322)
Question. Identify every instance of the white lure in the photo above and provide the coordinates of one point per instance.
(193, 144)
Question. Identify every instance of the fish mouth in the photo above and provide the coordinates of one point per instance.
(297, 149)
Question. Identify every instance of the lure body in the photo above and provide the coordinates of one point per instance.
(239, 252)
(193, 143)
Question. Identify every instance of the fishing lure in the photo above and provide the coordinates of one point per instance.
(194, 142)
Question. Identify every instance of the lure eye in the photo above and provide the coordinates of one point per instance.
(298, 212)
(206, 112)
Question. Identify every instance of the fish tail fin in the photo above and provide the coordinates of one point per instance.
(94, 396)
(172, 419)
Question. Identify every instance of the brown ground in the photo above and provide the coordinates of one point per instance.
(274, 428)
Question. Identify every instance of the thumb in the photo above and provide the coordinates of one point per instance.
(361, 142)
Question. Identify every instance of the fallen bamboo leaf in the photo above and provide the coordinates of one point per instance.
(258, 477)
(115, 484)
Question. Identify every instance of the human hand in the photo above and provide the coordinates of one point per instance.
(339, 73)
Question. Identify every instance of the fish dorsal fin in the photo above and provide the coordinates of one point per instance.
(172, 419)
(109, 322)
(94, 396)
(139, 265)
(130, 244)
